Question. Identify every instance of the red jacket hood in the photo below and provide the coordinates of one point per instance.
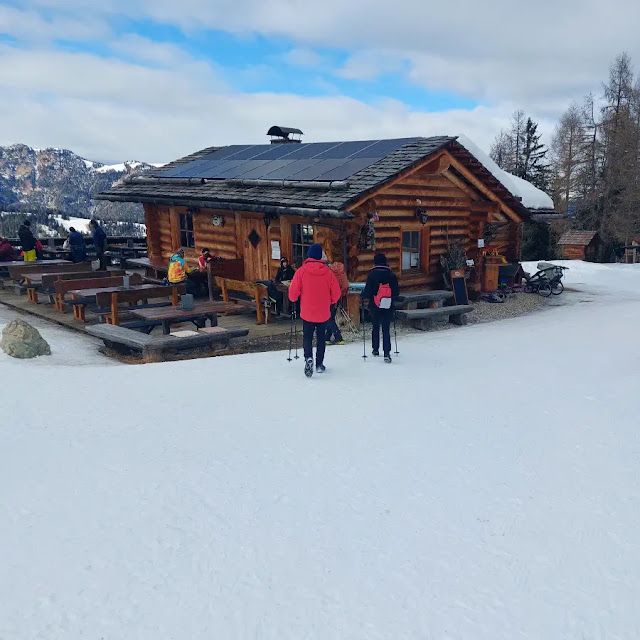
(317, 288)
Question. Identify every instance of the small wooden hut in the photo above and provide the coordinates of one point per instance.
(581, 245)
(409, 198)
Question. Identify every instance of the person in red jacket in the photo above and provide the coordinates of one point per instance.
(317, 288)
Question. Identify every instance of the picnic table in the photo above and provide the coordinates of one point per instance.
(56, 252)
(93, 293)
(284, 290)
(153, 269)
(4, 266)
(166, 316)
(43, 282)
(124, 252)
(81, 297)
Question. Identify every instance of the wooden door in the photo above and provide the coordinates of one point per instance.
(256, 249)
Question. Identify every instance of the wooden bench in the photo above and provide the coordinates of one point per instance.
(152, 347)
(256, 292)
(109, 303)
(18, 273)
(434, 299)
(420, 318)
(62, 287)
(47, 280)
(166, 316)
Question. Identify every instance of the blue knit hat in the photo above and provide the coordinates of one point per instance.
(315, 252)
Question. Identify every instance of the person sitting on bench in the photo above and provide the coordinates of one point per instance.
(7, 252)
(179, 272)
(285, 271)
(205, 257)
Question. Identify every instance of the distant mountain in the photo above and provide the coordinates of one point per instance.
(41, 180)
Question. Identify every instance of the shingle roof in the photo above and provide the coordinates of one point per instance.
(325, 201)
(580, 238)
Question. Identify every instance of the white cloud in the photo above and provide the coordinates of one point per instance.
(108, 110)
(303, 58)
(30, 25)
(159, 102)
(370, 64)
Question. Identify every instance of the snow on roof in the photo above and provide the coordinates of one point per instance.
(532, 197)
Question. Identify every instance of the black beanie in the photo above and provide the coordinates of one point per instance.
(315, 252)
(379, 259)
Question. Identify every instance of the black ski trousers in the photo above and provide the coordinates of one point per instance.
(381, 318)
(308, 329)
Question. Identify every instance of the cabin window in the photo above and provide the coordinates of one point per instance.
(410, 250)
(187, 239)
(301, 240)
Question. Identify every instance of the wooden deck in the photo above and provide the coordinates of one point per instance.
(260, 338)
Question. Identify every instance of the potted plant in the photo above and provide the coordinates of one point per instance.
(454, 259)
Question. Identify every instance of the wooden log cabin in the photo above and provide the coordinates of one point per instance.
(408, 198)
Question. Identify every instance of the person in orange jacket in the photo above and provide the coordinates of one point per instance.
(333, 331)
(179, 270)
(317, 288)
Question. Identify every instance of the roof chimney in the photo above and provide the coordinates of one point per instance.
(281, 135)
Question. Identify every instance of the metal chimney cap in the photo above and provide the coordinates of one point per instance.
(283, 132)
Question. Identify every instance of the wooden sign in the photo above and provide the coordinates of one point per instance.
(459, 286)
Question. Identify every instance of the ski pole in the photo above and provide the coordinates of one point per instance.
(364, 346)
(395, 333)
(295, 329)
(290, 338)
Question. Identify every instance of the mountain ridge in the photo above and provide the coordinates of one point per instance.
(46, 180)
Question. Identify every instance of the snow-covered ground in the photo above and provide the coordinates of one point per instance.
(82, 224)
(485, 485)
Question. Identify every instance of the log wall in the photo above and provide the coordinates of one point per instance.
(573, 252)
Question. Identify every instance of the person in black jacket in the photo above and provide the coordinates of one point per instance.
(27, 241)
(285, 271)
(77, 246)
(100, 243)
(381, 274)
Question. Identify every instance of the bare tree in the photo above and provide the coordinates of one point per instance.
(567, 156)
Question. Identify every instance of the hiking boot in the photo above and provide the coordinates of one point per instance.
(320, 368)
(328, 342)
(375, 353)
(308, 367)
(340, 342)
(387, 359)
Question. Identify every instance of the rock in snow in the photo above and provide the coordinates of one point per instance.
(21, 340)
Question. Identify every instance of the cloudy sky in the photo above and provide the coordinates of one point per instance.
(156, 79)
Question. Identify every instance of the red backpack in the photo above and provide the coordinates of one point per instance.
(382, 299)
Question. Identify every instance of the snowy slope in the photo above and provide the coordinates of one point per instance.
(124, 166)
(532, 197)
(483, 486)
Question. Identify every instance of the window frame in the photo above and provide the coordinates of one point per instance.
(304, 246)
(414, 251)
(186, 231)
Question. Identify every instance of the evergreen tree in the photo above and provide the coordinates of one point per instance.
(532, 164)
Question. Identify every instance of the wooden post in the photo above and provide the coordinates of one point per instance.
(114, 308)
(174, 296)
(259, 309)
(210, 282)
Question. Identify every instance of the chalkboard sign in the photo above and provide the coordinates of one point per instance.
(459, 286)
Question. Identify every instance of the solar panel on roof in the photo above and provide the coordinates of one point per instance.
(215, 170)
(314, 161)
(382, 148)
(305, 151)
(313, 171)
(278, 170)
(346, 169)
(240, 170)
